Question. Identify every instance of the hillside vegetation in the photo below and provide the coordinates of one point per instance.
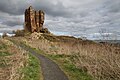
(16, 63)
(12, 59)
(100, 60)
(79, 59)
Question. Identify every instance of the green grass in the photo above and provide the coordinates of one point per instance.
(3, 46)
(4, 53)
(66, 64)
(32, 70)
(3, 63)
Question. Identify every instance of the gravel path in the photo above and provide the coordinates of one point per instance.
(50, 69)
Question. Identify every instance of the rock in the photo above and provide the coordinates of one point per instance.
(36, 35)
(44, 30)
(34, 20)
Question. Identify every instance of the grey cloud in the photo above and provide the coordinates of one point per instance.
(76, 17)
(12, 23)
(92, 19)
(13, 7)
(10, 20)
(113, 6)
(17, 7)
(52, 9)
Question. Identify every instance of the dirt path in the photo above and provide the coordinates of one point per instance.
(50, 69)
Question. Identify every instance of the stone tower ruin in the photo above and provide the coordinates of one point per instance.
(34, 20)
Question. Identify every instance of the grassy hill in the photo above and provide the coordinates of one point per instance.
(101, 61)
(79, 59)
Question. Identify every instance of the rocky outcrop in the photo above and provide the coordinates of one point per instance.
(34, 20)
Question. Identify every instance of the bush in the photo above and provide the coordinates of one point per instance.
(19, 33)
(4, 35)
(44, 30)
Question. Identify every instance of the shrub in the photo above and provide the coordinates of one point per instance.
(44, 30)
(4, 35)
(19, 33)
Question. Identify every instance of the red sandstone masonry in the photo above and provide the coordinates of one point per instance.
(34, 20)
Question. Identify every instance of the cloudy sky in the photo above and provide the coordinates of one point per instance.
(66, 17)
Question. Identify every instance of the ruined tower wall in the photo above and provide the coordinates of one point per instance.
(37, 20)
(27, 19)
(41, 18)
(34, 20)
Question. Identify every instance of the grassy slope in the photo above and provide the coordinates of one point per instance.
(67, 65)
(65, 62)
(32, 70)
(101, 60)
(9, 59)
(3, 55)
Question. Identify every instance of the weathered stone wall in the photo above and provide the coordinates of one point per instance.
(34, 20)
